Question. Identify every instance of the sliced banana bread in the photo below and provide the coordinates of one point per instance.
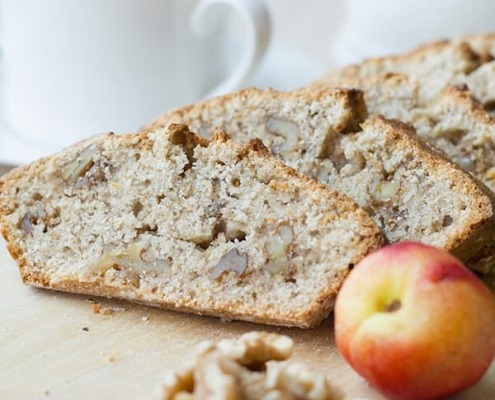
(466, 60)
(297, 126)
(411, 193)
(455, 123)
(436, 64)
(170, 219)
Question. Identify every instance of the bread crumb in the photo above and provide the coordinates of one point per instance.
(111, 358)
(145, 319)
(98, 308)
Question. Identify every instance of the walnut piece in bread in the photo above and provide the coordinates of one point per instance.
(170, 219)
(439, 63)
(453, 116)
(411, 192)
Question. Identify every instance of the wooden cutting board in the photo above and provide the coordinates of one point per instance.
(55, 346)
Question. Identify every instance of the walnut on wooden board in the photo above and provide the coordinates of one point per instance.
(255, 366)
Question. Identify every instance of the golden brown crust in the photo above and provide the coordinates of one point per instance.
(94, 284)
(379, 65)
(393, 87)
(352, 98)
(461, 94)
(482, 43)
(257, 146)
(180, 134)
(306, 319)
(476, 233)
(220, 136)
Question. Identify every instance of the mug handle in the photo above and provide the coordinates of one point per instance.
(255, 17)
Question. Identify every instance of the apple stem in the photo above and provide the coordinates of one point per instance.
(394, 305)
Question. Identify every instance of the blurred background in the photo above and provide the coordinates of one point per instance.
(329, 34)
(307, 39)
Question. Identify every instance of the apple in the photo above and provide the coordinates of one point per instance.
(415, 322)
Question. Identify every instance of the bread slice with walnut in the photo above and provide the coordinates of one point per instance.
(296, 126)
(436, 64)
(455, 123)
(466, 60)
(411, 192)
(169, 219)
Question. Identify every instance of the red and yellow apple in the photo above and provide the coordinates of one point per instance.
(415, 322)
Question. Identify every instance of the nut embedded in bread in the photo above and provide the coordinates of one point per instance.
(440, 63)
(410, 192)
(295, 126)
(170, 219)
(466, 60)
(453, 119)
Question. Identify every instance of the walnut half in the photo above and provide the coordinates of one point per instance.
(252, 367)
(79, 165)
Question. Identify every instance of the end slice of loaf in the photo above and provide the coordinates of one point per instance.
(436, 64)
(411, 192)
(466, 60)
(169, 219)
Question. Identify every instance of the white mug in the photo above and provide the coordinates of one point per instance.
(371, 28)
(74, 68)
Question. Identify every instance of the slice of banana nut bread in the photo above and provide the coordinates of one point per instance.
(170, 219)
(466, 60)
(297, 126)
(455, 123)
(436, 64)
(411, 193)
